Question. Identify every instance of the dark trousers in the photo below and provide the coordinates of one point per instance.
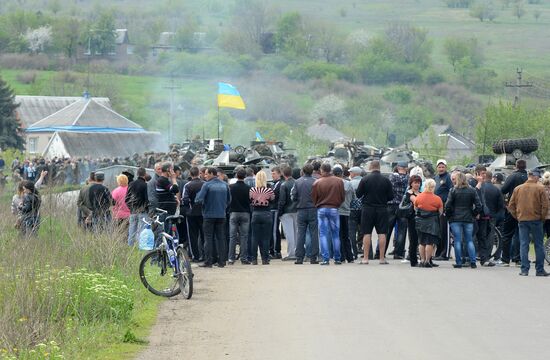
(346, 252)
(399, 240)
(510, 239)
(413, 241)
(214, 236)
(355, 235)
(261, 224)
(275, 242)
(196, 236)
(307, 220)
(483, 242)
(444, 246)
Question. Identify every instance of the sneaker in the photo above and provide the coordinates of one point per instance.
(265, 261)
(245, 262)
(314, 261)
(501, 263)
(231, 262)
(405, 261)
(325, 262)
(523, 273)
(254, 262)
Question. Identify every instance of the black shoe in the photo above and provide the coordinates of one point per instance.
(337, 262)
(205, 265)
(456, 266)
(433, 264)
(391, 252)
(265, 261)
(488, 264)
(220, 265)
(473, 265)
(314, 262)
(245, 262)
(441, 258)
(254, 262)
(427, 265)
(523, 273)
(543, 273)
(421, 264)
(299, 261)
(278, 255)
(397, 257)
(414, 265)
(325, 262)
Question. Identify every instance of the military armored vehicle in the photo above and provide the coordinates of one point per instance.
(508, 151)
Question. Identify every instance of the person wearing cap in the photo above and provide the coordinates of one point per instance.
(497, 180)
(100, 202)
(355, 235)
(443, 185)
(399, 181)
(510, 232)
(328, 195)
(529, 206)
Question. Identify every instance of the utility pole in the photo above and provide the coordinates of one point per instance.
(518, 85)
(171, 87)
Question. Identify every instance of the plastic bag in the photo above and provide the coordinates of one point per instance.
(146, 239)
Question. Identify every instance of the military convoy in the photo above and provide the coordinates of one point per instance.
(508, 151)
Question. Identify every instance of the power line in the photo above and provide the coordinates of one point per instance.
(171, 87)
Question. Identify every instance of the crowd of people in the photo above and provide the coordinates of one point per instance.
(325, 213)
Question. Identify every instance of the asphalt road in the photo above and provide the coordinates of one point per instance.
(286, 311)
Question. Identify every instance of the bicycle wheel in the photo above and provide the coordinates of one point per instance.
(157, 275)
(185, 278)
(496, 241)
(547, 250)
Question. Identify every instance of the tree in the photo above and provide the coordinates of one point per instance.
(10, 130)
(410, 44)
(328, 40)
(484, 10)
(457, 49)
(38, 39)
(66, 33)
(458, 3)
(101, 35)
(290, 36)
(518, 10)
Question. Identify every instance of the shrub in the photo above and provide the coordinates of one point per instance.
(182, 64)
(434, 78)
(398, 95)
(27, 77)
(24, 61)
(378, 71)
(318, 70)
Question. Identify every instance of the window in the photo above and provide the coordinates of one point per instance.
(32, 144)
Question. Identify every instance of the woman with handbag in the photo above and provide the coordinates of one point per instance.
(428, 207)
(406, 209)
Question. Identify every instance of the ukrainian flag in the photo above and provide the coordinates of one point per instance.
(229, 97)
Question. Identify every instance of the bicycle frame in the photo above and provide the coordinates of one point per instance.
(168, 242)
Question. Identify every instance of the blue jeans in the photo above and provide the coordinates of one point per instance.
(238, 231)
(329, 220)
(534, 228)
(458, 228)
(136, 226)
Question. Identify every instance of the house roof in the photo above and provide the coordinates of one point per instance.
(100, 145)
(455, 141)
(122, 36)
(166, 38)
(323, 131)
(85, 115)
(35, 108)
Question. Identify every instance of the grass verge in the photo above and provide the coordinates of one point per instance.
(69, 294)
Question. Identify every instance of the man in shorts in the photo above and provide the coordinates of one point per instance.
(376, 190)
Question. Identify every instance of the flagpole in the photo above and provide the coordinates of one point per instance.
(218, 121)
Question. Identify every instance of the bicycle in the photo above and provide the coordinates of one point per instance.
(497, 239)
(166, 270)
(547, 250)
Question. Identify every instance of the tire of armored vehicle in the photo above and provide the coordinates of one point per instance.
(507, 146)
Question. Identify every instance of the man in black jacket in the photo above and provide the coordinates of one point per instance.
(275, 243)
(494, 204)
(239, 218)
(376, 190)
(510, 233)
(100, 201)
(443, 185)
(193, 212)
(287, 212)
(137, 201)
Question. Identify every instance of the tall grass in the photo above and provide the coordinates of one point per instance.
(64, 292)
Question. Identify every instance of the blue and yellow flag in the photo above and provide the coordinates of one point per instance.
(229, 97)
